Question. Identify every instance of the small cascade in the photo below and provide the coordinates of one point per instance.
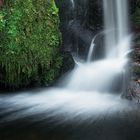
(92, 46)
(91, 49)
(72, 3)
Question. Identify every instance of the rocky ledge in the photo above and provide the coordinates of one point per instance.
(134, 84)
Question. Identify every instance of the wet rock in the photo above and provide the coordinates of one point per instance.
(136, 70)
(76, 36)
(134, 91)
(135, 66)
(79, 24)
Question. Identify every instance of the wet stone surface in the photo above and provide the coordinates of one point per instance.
(134, 84)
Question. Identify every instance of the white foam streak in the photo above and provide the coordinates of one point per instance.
(91, 49)
(62, 102)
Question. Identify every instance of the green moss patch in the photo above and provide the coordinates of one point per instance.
(29, 42)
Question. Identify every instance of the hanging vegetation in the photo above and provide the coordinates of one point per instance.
(29, 40)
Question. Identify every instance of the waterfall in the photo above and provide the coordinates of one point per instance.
(102, 75)
(88, 88)
(116, 25)
(72, 3)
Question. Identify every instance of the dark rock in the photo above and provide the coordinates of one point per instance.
(134, 91)
(133, 83)
(76, 25)
(135, 66)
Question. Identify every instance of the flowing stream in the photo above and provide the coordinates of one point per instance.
(87, 90)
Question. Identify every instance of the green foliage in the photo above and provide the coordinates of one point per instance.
(136, 18)
(29, 40)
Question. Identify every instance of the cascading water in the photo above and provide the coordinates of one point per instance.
(99, 75)
(72, 3)
(87, 88)
(91, 49)
(117, 39)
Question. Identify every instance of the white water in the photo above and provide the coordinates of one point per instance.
(117, 40)
(73, 3)
(91, 50)
(86, 90)
(96, 76)
(64, 104)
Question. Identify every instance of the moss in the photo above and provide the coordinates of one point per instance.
(29, 40)
(136, 18)
(136, 70)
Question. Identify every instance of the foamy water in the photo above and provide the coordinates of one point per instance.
(67, 104)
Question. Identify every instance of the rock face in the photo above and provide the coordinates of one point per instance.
(78, 26)
(135, 84)
(133, 90)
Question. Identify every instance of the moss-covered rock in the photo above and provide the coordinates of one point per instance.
(29, 40)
